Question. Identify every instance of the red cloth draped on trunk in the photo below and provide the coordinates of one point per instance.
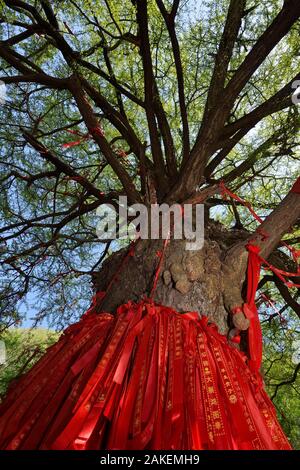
(146, 378)
(296, 187)
(255, 340)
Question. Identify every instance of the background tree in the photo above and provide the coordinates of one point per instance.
(23, 349)
(166, 100)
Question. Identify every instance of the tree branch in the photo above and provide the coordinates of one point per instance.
(64, 167)
(208, 136)
(92, 124)
(224, 54)
(275, 225)
(286, 382)
(285, 293)
(170, 24)
(281, 100)
(28, 74)
(279, 27)
(252, 158)
(150, 98)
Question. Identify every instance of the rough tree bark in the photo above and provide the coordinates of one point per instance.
(208, 281)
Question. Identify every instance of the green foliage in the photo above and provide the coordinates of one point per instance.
(280, 367)
(23, 349)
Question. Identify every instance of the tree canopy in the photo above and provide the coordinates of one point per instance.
(155, 100)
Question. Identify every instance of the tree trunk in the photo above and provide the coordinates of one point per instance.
(188, 281)
(209, 281)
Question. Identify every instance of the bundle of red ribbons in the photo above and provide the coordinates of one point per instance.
(145, 378)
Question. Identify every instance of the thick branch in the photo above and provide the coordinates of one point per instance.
(149, 87)
(275, 225)
(208, 136)
(252, 158)
(64, 167)
(279, 27)
(28, 74)
(281, 100)
(170, 23)
(285, 293)
(224, 54)
(115, 117)
(92, 124)
(32, 29)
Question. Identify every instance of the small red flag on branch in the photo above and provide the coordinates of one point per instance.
(83, 137)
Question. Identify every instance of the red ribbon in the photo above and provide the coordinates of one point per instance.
(226, 192)
(146, 378)
(160, 255)
(269, 301)
(250, 310)
(121, 153)
(296, 186)
(253, 271)
(282, 274)
(83, 137)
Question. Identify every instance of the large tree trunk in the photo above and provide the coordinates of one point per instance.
(188, 281)
(209, 281)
